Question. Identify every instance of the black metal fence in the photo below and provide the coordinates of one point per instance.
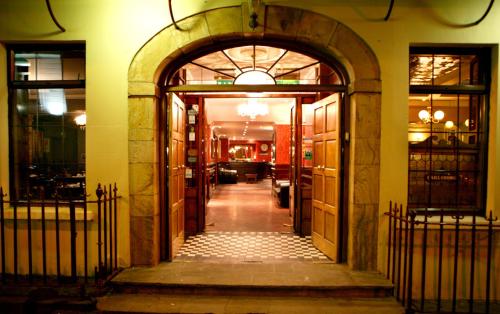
(95, 228)
(455, 243)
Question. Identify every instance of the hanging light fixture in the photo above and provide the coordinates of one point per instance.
(427, 116)
(252, 109)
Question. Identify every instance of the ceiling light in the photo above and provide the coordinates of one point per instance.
(253, 109)
(266, 127)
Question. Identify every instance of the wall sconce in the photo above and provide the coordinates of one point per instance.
(81, 121)
(427, 116)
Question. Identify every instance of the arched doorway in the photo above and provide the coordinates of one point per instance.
(279, 24)
(268, 71)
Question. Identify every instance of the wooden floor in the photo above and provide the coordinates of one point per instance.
(246, 207)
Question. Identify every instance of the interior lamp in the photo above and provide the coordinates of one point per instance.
(81, 120)
(427, 116)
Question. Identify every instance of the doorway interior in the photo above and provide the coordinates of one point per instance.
(205, 155)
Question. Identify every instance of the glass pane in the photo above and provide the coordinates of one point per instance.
(441, 69)
(420, 69)
(194, 75)
(446, 70)
(218, 62)
(51, 65)
(262, 57)
(287, 67)
(48, 146)
(445, 149)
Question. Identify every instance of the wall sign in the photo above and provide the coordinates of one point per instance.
(191, 119)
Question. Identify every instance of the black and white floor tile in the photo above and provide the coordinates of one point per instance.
(250, 246)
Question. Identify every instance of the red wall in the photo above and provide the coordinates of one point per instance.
(260, 155)
(224, 149)
(257, 156)
(282, 140)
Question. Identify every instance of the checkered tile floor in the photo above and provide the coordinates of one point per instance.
(250, 246)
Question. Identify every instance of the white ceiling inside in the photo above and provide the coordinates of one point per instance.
(222, 115)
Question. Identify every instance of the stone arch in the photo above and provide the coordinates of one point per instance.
(274, 22)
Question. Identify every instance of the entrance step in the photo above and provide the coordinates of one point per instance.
(161, 303)
(299, 279)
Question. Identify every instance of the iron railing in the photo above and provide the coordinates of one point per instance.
(433, 238)
(17, 224)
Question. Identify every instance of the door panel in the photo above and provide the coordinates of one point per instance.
(319, 120)
(330, 188)
(318, 221)
(331, 154)
(319, 156)
(176, 138)
(318, 192)
(325, 229)
(331, 117)
(330, 230)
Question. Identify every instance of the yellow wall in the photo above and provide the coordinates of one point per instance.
(114, 30)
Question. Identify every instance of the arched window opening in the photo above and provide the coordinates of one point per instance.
(255, 65)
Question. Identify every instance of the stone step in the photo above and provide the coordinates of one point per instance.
(337, 291)
(161, 303)
(296, 279)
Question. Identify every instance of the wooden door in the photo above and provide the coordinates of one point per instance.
(176, 163)
(292, 168)
(326, 170)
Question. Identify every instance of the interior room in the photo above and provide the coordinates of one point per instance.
(248, 162)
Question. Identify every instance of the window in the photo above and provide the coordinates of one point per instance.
(447, 132)
(255, 64)
(47, 120)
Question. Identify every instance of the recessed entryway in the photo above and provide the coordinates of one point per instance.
(334, 42)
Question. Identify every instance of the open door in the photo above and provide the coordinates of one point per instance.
(292, 168)
(326, 170)
(176, 162)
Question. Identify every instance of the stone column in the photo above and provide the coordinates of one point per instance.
(144, 194)
(364, 176)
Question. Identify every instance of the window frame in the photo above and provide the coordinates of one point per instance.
(484, 76)
(13, 85)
